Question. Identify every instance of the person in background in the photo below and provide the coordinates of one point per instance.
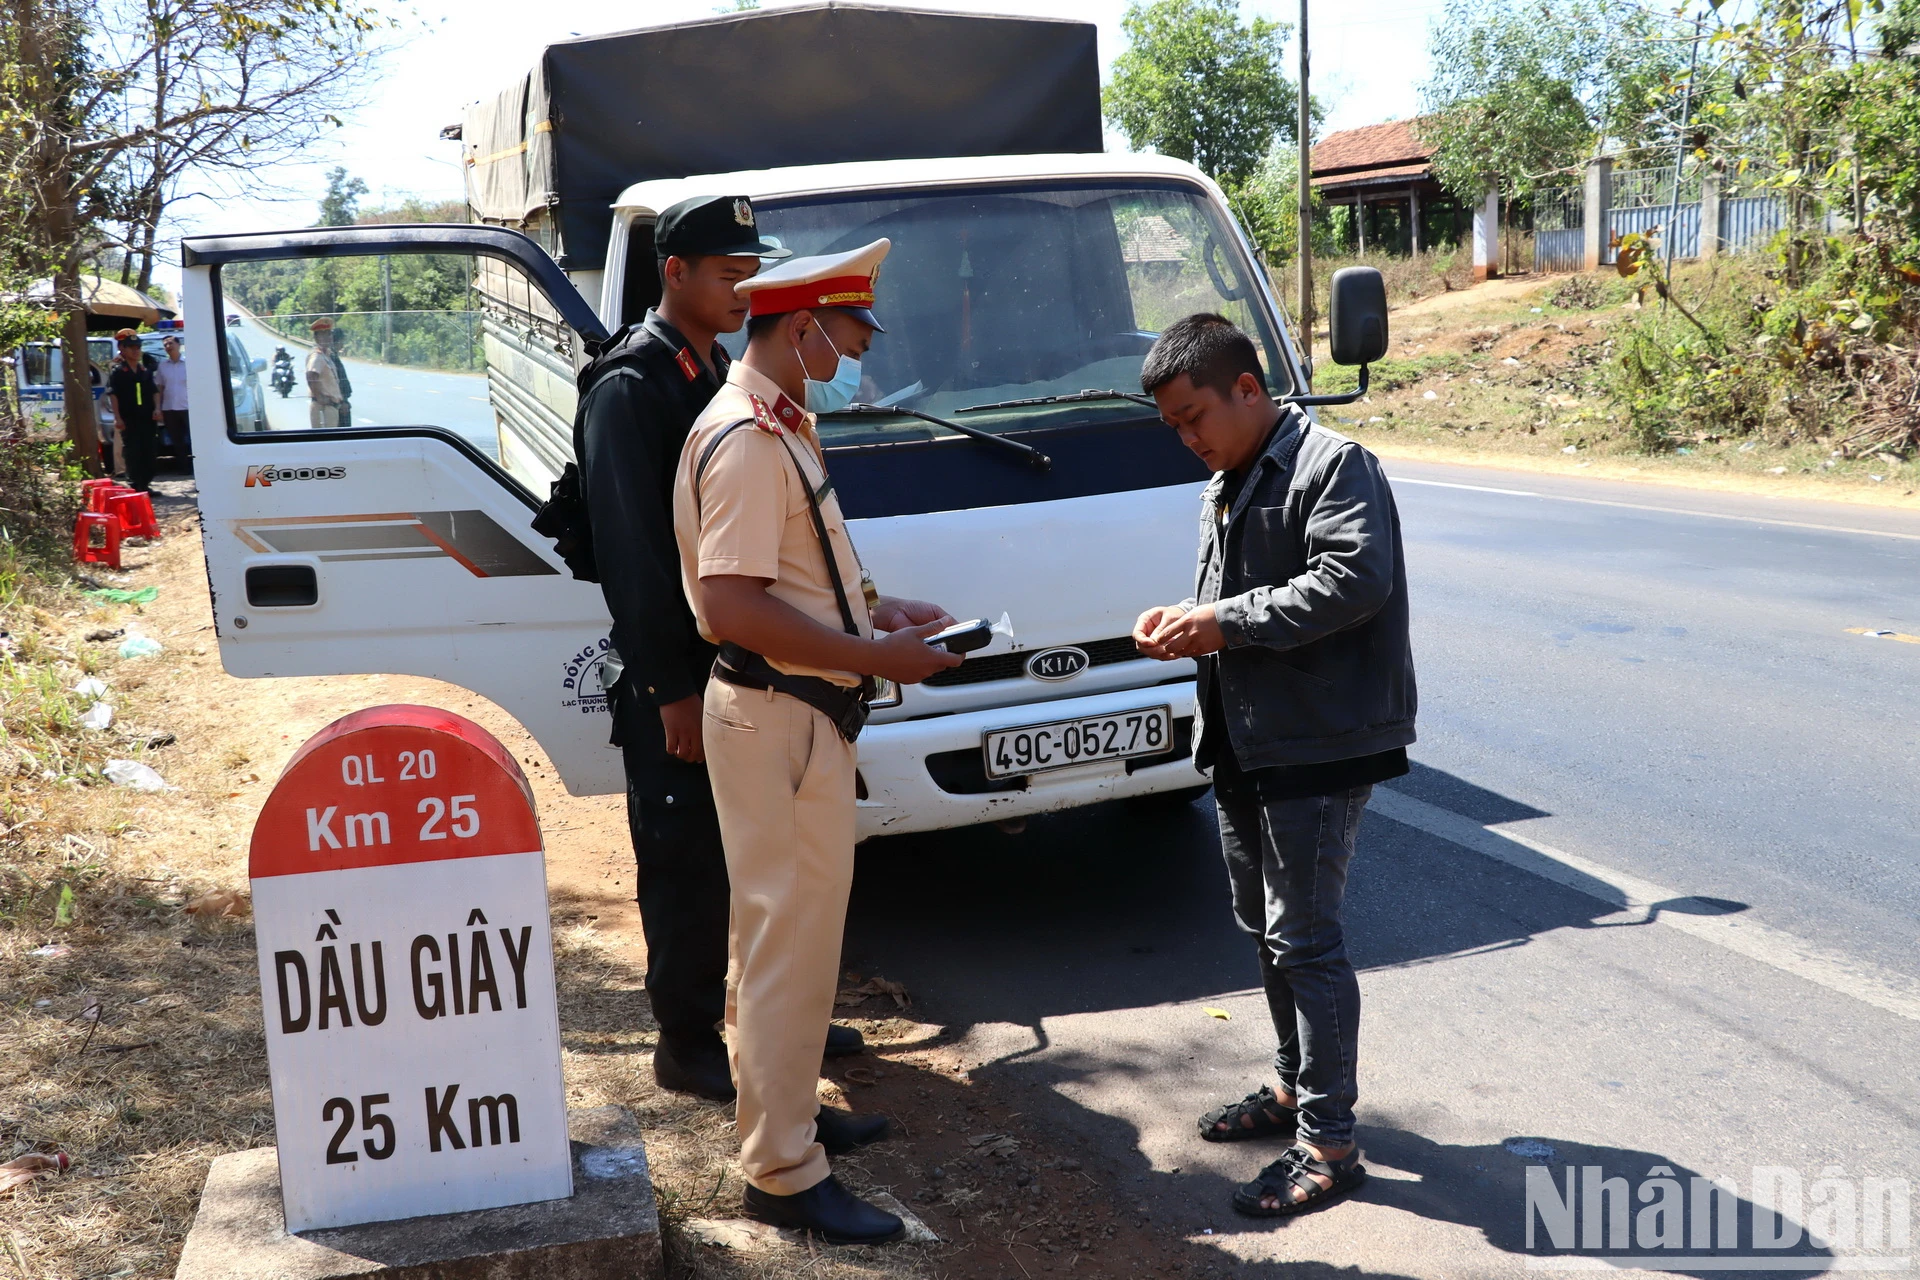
(1305, 699)
(346, 383)
(323, 378)
(136, 406)
(171, 374)
(103, 418)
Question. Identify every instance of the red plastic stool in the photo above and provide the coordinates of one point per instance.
(96, 491)
(135, 510)
(84, 552)
(97, 497)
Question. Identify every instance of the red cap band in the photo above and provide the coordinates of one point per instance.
(840, 291)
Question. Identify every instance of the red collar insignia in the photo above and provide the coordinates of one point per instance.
(763, 416)
(791, 414)
(688, 365)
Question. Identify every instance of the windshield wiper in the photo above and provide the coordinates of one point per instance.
(1038, 460)
(1068, 398)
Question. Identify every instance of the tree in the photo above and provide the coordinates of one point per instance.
(1197, 84)
(1268, 206)
(340, 207)
(109, 103)
(1522, 91)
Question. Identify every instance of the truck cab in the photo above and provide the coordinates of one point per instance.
(1016, 283)
(1000, 458)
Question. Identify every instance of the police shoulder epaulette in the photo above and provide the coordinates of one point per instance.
(763, 417)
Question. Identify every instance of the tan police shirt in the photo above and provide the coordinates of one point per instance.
(323, 380)
(751, 518)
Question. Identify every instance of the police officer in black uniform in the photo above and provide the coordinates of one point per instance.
(641, 397)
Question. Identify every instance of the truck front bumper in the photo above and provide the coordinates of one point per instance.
(928, 775)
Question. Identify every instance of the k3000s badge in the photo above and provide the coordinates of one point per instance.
(265, 477)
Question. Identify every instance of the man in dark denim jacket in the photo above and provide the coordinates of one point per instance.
(1305, 700)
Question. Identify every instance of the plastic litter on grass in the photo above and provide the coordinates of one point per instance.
(120, 595)
(135, 776)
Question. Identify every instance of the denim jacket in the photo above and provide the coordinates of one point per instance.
(1308, 581)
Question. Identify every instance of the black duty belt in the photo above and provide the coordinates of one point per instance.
(845, 706)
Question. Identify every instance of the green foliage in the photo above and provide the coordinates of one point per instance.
(1830, 361)
(1197, 84)
(412, 309)
(1877, 106)
(1268, 206)
(340, 206)
(1385, 375)
(39, 494)
(1521, 92)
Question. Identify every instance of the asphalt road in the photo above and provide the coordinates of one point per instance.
(1649, 900)
(384, 395)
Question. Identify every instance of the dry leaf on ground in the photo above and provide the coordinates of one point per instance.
(849, 996)
(220, 902)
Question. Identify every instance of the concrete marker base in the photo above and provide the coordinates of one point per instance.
(610, 1227)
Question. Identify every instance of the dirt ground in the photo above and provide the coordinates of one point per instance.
(132, 1028)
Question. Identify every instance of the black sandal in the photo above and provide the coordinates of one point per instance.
(1291, 1170)
(1271, 1119)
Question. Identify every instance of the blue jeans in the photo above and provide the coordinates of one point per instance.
(1287, 862)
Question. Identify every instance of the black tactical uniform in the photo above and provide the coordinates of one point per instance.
(638, 401)
(634, 420)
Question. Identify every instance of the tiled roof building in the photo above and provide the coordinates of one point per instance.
(1381, 167)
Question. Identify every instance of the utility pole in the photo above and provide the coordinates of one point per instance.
(1679, 159)
(386, 309)
(1304, 131)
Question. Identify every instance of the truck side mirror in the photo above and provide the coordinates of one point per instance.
(1357, 316)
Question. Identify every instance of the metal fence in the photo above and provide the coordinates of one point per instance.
(1643, 202)
(1749, 222)
(1559, 230)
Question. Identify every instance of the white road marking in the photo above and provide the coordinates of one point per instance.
(1666, 511)
(1477, 488)
(1881, 988)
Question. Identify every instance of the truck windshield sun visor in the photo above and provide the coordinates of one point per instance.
(1025, 295)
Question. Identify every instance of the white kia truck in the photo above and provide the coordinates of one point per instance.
(1001, 460)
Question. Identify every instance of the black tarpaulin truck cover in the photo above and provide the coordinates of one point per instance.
(807, 84)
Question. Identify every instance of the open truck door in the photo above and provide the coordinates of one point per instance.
(384, 536)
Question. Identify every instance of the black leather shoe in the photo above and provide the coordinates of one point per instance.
(701, 1071)
(841, 1131)
(842, 1041)
(827, 1210)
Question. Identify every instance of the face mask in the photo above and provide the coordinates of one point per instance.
(837, 394)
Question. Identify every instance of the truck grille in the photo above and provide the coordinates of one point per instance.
(1013, 666)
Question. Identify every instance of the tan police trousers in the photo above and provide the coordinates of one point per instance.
(783, 788)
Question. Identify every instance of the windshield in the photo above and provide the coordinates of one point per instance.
(1014, 293)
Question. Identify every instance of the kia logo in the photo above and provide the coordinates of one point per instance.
(1057, 664)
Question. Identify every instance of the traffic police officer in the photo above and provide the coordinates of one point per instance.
(775, 582)
(639, 399)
